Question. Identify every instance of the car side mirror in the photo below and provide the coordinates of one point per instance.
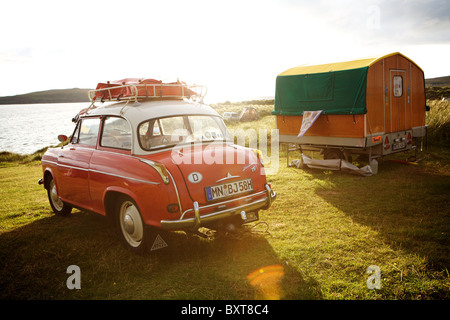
(62, 138)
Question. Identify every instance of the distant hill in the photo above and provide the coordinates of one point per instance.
(437, 93)
(48, 96)
(438, 82)
(434, 91)
(437, 88)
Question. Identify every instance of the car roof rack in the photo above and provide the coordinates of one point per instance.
(142, 89)
(146, 89)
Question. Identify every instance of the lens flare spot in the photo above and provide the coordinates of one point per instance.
(267, 282)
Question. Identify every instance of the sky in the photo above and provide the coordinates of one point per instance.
(236, 48)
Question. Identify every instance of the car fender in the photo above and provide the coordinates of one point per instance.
(109, 202)
(116, 190)
(48, 171)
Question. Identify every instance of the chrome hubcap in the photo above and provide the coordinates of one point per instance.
(56, 201)
(128, 224)
(131, 223)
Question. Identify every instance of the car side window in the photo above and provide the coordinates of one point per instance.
(88, 131)
(116, 133)
(76, 133)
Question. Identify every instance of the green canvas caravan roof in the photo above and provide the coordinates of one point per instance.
(335, 88)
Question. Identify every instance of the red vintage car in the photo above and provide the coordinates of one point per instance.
(152, 163)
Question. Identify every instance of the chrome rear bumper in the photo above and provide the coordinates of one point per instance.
(200, 220)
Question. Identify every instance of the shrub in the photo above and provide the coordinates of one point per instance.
(438, 120)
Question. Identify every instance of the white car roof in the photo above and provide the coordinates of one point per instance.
(136, 113)
(144, 110)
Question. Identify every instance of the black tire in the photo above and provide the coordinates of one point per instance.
(58, 206)
(332, 154)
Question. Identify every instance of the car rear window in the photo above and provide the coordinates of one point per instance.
(170, 131)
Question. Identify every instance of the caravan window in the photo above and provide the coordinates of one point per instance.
(397, 86)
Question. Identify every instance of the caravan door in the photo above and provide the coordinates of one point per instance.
(397, 99)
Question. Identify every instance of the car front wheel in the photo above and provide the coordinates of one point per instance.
(58, 206)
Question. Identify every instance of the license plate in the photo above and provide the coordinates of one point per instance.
(228, 189)
(400, 145)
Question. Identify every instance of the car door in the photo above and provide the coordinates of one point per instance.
(111, 163)
(73, 163)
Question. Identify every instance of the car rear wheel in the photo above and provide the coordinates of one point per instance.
(58, 206)
(132, 229)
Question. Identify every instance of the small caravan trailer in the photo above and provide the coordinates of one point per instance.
(370, 106)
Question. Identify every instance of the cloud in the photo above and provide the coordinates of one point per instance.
(231, 45)
(410, 22)
(381, 21)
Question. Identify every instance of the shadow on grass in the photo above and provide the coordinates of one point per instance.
(406, 204)
(34, 261)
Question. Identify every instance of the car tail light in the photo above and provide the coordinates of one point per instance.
(259, 155)
(386, 143)
(160, 168)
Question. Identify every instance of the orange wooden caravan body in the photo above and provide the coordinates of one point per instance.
(395, 113)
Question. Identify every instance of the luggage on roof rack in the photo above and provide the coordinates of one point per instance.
(138, 88)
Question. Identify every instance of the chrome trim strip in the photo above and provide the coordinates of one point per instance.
(71, 167)
(123, 177)
(102, 172)
(52, 162)
(176, 190)
(250, 165)
(229, 176)
(195, 223)
(197, 220)
(224, 202)
(197, 215)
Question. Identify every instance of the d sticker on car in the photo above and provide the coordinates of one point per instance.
(195, 177)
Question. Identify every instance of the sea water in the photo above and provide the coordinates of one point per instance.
(26, 128)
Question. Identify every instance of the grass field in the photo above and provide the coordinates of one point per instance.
(316, 241)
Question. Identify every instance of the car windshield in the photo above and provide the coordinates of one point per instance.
(170, 131)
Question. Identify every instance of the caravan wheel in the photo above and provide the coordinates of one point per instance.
(332, 154)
